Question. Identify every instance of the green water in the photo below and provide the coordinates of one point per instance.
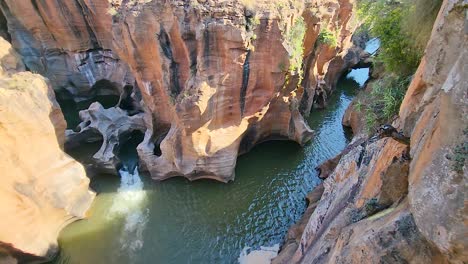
(177, 221)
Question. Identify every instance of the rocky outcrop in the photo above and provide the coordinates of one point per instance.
(354, 118)
(110, 126)
(293, 237)
(368, 179)
(382, 204)
(43, 189)
(216, 77)
(435, 113)
(69, 42)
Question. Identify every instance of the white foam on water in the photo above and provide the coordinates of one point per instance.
(130, 194)
(129, 203)
(264, 255)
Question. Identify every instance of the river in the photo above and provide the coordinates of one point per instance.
(137, 220)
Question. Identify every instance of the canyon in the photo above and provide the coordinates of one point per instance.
(388, 201)
(205, 81)
(213, 79)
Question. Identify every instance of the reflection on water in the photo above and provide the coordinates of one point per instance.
(177, 221)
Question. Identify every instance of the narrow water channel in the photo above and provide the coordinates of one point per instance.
(136, 220)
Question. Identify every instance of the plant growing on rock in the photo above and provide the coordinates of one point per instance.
(328, 38)
(403, 28)
(383, 102)
(294, 41)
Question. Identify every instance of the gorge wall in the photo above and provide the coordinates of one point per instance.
(387, 201)
(213, 78)
(42, 189)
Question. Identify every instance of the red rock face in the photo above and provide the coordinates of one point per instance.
(215, 78)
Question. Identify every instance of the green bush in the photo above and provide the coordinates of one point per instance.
(403, 28)
(294, 39)
(327, 37)
(384, 101)
(420, 19)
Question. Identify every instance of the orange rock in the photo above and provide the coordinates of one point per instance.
(435, 111)
(43, 189)
(215, 78)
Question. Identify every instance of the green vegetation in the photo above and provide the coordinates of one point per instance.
(294, 39)
(460, 156)
(327, 37)
(403, 27)
(383, 102)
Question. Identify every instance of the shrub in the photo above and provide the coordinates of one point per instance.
(403, 28)
(459, 157)
(420, 19)
(327, 37)
(384, 101)
(294, 39)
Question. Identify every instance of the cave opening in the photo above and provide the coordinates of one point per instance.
(130, 100)
(83, 150)
(127, 149)
(103, 91)
(157, 144)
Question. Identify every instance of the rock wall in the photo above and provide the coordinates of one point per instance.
(42, 189)
(389, 202)
(216, 77)
(435, 113)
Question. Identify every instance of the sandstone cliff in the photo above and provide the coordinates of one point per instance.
(42, 188)
(214, 77)
(388, 202)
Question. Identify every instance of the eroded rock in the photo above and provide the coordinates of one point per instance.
(387, 237)
(43, 189)
(361, 186)
(216, 77)
(382, 204)
(110, 126)
(435, 112)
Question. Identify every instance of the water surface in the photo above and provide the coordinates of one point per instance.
(136, 220)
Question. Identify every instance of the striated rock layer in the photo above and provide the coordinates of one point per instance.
(42, 189)
(389, 202)
(435, 113)
(215, 77)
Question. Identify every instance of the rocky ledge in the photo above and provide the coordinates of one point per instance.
(401, 201)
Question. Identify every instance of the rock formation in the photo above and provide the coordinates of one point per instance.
(381, 206)
(43, 189)
(106, 125)
(216, 77)
(435, 114)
